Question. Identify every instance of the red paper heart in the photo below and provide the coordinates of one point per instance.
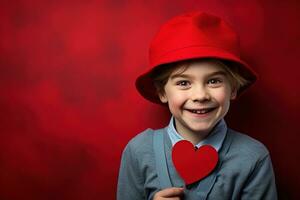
(193, 165)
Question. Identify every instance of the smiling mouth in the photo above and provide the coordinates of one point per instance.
(201, 111)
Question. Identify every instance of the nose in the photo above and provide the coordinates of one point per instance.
(200, 94)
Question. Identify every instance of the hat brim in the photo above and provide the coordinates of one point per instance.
(144, 83)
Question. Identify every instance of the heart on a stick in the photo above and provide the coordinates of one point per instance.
(193, 165)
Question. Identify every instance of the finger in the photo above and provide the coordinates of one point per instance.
(171, 192)
(174, 198)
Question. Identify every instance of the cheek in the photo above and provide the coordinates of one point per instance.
(222, 97)
(175, 100)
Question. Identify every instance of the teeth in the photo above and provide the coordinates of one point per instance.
(200, 111)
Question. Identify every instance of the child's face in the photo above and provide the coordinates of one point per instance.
(198, 97)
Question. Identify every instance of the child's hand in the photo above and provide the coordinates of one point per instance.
(172, 193)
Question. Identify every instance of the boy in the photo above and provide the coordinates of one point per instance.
(195, 71)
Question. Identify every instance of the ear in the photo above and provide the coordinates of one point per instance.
(233, 94)
(163, 98)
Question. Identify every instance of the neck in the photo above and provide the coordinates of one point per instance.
(191, 136)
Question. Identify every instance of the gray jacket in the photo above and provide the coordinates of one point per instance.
(245, 172)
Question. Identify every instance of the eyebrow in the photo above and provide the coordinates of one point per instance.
(207, 75)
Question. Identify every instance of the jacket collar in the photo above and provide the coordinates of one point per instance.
(215, 138)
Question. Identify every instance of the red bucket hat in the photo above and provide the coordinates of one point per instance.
(193, 35)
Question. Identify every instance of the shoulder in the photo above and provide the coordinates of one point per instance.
(141, 139)
(247, 146)
(139, 153)
(142, 143)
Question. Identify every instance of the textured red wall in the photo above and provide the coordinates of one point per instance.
(68, 104)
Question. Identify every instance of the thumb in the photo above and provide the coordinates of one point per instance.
(171, 192)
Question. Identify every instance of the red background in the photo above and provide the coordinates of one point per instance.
(68, 105)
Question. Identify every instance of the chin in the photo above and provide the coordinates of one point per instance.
(204, 129)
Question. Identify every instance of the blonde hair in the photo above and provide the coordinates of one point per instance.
(161, 74)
